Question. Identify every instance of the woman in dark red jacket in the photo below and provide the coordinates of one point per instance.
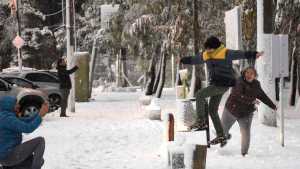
(240, 105)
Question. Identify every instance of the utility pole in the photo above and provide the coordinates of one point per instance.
(63, 14)
(70, 52)
(19, 34)
(74, 25)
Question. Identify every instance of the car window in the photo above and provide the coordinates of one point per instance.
(2, 86)
(20, 82)
(40, 77)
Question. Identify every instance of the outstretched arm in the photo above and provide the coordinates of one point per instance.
(262, 96)
(192, 60)
(238, 54)
(74, 69)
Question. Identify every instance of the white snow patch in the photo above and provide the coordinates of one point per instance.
(111, 132)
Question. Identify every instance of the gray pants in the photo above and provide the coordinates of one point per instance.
(64, 101)
(245, 126)
(215, 94)
(28, 155)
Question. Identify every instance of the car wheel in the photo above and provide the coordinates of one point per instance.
(30, 109)
(54, 101)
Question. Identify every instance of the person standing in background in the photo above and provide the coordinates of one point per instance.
(65, 83)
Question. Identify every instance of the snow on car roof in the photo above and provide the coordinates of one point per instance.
(16, 69)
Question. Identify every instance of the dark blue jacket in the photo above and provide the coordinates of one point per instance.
(12, 127)
(220, 69)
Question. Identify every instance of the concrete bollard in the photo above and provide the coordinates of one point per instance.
(145, 100)
(154, 110)
(185, 114)
(175, 157)
(82, 77)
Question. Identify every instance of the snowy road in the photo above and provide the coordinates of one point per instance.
(111, 133)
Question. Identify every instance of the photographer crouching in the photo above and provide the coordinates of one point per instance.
(13, 153)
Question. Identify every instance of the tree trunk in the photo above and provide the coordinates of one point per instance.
(196, 79)
(150, 75)
(118, 71)
(158, 74)
(169, 5)
(162, 75)
(92, 66)
(297, 53)
(178, 79)
(123, 65)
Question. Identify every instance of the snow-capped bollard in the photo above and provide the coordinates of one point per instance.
(145, 100)
(153, 110)
(176, 157)
(185, 114)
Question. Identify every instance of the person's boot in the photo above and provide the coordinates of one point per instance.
(219, 140)
(200, 124)
(64, 115)
(244, 154)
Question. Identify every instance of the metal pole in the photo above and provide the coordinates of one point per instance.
(68, 32)
(19, 33)
(281, 113)
(63, 14)
(74, 26)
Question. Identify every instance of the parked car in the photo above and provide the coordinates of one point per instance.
(53, 93)
(41, 78)
(30, 100)
(52, 72)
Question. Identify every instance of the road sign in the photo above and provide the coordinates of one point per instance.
(18, 42)
(280, 55)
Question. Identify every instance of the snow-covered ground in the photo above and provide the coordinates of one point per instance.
(111, 132)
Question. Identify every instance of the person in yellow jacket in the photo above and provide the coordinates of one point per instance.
(221, 76)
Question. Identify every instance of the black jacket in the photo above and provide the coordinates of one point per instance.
(240, 102)
(64, 76)
(220, 70)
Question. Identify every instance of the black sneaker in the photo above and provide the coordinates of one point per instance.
(199, 125)
(219, 140)
(244, 154)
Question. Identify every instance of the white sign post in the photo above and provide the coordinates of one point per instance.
(280, 69)
(233, 28)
